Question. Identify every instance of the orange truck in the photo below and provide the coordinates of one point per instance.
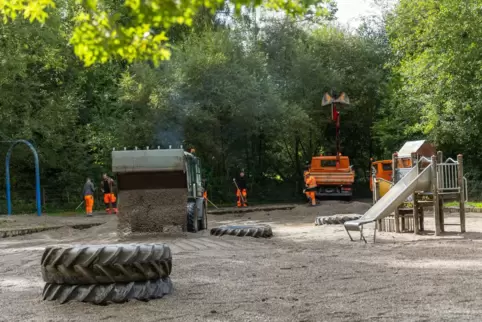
(333, 180)
(382, 170)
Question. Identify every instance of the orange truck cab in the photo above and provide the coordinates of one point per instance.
(333, 179)
(383, 169)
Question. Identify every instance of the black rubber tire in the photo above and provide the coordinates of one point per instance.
(107, 293)
(335, 220)
(104, 264)
(256, 231)
(192, 221)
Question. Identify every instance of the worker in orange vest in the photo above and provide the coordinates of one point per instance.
(107, 188)
(241, 191)
(89, 197)
(310, 190)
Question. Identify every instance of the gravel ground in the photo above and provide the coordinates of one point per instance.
(304, 273)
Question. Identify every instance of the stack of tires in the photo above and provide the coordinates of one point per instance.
(106, 273)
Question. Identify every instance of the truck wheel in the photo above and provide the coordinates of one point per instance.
(105, 264)
(105, 293)
(192, 220)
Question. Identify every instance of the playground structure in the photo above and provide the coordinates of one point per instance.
(382, 171)
(423, 182)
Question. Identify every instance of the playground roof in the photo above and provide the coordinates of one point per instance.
(421, 147)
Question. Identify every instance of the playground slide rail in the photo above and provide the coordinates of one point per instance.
(411, 182)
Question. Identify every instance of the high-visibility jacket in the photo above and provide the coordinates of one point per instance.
(310, 182)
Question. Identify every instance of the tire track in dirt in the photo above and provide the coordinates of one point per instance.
(211, 243)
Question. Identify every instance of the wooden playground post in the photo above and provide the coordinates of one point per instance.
(436, 204)
(441, 214)
(394, 179)
(376, 196)
(440, 157)
(441, 183)
(416, 217)
(460, 178)
(414, 197)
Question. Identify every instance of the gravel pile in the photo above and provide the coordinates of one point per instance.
(152, 210)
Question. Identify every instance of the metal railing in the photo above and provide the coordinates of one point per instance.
(447, 173)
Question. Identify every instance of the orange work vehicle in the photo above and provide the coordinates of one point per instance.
(383, 170)
(332, 179)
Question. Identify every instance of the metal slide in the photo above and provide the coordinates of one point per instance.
(411, 182)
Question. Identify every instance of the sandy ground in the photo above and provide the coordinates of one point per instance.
(304, 273)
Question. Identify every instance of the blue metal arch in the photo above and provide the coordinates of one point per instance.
(37, 176)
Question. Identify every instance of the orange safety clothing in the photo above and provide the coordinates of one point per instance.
(110, 199)
(240, 202)
(310, 182)
(311, 195)
(89, 204)
(311, 185)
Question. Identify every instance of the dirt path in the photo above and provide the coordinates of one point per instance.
(304, 273)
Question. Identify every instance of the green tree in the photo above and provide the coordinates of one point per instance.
(436, 44)
(138, 30)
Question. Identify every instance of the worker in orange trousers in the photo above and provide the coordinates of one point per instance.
(88, 193)
(241, 191)
(310, 190)
(109, 196)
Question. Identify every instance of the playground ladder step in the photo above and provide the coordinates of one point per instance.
(425, 203)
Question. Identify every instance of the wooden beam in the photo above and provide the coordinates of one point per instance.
(415, 214)
(436, 205)
(440, 157)
(461, 183)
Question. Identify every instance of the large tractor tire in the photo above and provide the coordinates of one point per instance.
(242, 231)
(105, 293)
(192, 220)
(105, 264)
(335, 220)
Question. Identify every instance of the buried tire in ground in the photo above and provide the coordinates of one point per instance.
(106, 263)
(335, 220)
(192, 220)
(108, 293)
(244, 230)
